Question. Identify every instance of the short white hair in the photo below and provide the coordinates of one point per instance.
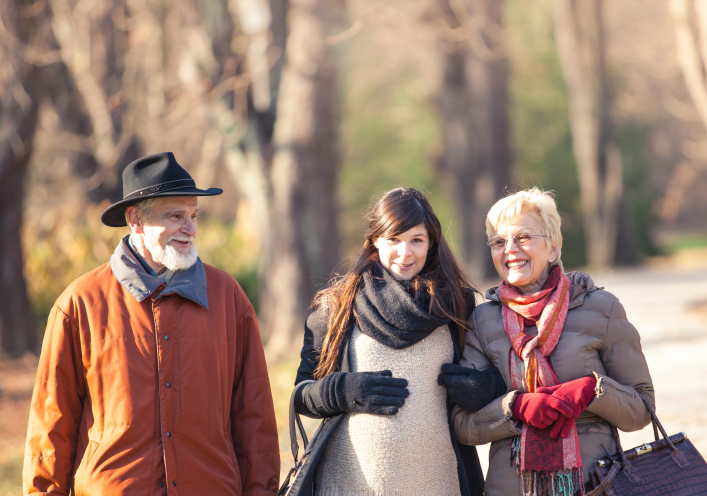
(535, 201)
(144, 209)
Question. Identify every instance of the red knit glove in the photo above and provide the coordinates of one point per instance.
(562, 426)
(548, 389)
(577, 394)
(539, 410)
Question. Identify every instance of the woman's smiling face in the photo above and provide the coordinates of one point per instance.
(523, 266)
(404, 255)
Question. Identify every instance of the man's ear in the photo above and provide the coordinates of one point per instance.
(133, 219)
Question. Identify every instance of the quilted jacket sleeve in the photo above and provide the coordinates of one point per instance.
(55, 411)
(626, 373)
(492, 422)
(253, 427)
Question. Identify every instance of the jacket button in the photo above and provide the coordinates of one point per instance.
(167, 384)
(169, 435)
(166, 337)
(174, 483)
(161, 484)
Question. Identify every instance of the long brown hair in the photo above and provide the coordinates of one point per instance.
(396, 212)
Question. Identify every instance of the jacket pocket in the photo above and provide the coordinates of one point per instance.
(83, 470)
(600, 428)
(232, 454)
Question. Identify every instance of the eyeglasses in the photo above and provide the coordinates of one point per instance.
(520, 239)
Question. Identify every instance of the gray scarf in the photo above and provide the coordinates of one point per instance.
(386, 312)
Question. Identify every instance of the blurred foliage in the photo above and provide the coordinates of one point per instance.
(542, 141)
(633, 138)
(674, 244)
(56, 256)
(63, 251)
(11, 472)
(390, 136)
(226, 246)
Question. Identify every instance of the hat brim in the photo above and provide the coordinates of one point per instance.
(114, 216)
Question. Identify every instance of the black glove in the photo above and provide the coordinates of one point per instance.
(471, 389)
(369, 392)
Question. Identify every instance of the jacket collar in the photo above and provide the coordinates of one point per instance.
(582, 284)
(190, 283)
(139, 258)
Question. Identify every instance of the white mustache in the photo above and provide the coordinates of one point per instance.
(180, 237)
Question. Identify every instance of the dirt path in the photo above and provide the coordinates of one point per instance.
(16, 383)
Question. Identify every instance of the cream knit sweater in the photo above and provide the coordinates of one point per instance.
(409, 453)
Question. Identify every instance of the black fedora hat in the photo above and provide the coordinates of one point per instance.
(154, 176)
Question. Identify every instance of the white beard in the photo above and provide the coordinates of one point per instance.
(168, 255)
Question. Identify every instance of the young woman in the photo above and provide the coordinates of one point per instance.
(375, 343)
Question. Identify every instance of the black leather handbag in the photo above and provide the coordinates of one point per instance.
(668, 466)
(300, 479)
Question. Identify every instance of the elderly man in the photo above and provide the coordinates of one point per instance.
(152, 378)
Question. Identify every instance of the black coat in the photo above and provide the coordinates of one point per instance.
(471, 477)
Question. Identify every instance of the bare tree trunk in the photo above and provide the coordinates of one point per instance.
(320, 158)
(17, 323)
(473, 107)
(581, 46)
(20, 90)
(284, 158)
(305, 142)
(692, 49)
(273, 195)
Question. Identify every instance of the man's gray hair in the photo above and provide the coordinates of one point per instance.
(144, 209)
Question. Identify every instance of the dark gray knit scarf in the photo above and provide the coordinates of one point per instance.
(386, 312)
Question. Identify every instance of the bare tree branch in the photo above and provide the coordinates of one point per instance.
(688, 52)
(71, 30)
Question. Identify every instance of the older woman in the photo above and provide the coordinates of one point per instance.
(572, 362)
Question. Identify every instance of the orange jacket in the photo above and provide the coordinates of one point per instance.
(144, 389)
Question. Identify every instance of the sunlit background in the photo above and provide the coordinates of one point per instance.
(305, 110)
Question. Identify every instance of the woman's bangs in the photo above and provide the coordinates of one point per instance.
(403, 219)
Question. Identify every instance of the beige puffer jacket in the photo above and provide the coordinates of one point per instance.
(596, 339)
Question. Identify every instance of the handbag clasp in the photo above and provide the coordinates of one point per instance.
(643, 449)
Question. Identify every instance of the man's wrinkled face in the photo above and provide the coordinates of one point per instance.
(169, 230)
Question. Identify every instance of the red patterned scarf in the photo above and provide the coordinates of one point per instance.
(547, 466)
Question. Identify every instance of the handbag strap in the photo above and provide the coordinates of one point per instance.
(295, 419)
(625, 464)
(656, 423)
(657, 426)
(597, 491)
(675, 454)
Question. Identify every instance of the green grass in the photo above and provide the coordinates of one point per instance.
(674, 244)
(11, 472)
